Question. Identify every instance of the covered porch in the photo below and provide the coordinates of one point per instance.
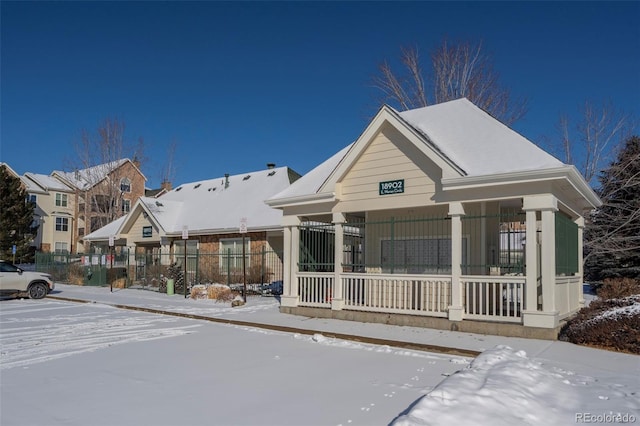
(512, 261)
(439, 217)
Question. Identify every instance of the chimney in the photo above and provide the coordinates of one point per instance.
(166, 185)
(271, 166)
(226, 180)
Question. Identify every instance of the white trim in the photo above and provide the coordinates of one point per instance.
(388, 115)
(568, 173)
(301, 200)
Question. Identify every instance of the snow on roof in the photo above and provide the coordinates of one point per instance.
(165, 212)
(9, 169)
(475, 141)
(312, 181)
(89, 177)
(213, 204)
(465, 134)
(38, 182)
(106, 231)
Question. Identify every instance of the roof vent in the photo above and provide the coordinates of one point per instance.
(271, 165)
(212, 189)
(271, 173)
(197, 186)
(226, 180)
(178, 188)
(159, 204)
(246, 177)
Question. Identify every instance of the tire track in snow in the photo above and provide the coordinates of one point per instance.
(45, 338)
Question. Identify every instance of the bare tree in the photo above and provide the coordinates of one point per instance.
(458, 70)
(597, 135)
(104, 173)
(168, 172)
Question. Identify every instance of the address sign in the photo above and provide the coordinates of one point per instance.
(391, 187)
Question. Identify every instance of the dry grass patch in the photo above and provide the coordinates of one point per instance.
(221, 293)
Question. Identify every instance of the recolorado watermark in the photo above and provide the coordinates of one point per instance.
(605, 418)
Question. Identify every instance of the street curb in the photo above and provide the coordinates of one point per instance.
(350, 337)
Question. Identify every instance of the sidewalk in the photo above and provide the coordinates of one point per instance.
(264, 312)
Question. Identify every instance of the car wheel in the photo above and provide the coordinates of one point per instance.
(37, 291)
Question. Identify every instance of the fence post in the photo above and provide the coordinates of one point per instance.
(262, 268)
(228, 266)
(392, 248)
(196, 280)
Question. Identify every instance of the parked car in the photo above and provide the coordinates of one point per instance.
(18, 282)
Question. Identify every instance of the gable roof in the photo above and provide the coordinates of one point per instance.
(84, 179)
(465, 141)
(37, 182)
(9, 169)
(214, 205)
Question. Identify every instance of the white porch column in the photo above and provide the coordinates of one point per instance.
(337, 302)
(290, 260)
(580, 222)
(531, 261)
(483, 234)
(548, 317)
(456, 211)
(548, 260)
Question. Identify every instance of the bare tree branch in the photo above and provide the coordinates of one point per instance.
(598, 133)
(458, 70)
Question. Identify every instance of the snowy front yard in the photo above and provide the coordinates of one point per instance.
(90, 364)
(66, 363)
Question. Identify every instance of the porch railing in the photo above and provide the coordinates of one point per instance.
(567, 294)
(493, 298)
(399, 293)
(315, 288)
(487, 298)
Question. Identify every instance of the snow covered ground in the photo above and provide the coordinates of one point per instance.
(67, 363)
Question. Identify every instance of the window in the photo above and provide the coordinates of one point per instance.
(147, 231)
(61, 200)
(31, 198)
(7, 267)
(61, 247)
(125, 185)
(62, 224)
(126, 206)
(231, 250)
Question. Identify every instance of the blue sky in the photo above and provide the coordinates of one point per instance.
(239, 85)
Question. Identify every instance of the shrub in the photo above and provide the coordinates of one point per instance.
(609, 324)
(76, 274)
(617, 288)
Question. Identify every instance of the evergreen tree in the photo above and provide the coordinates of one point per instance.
(16, 219)
(612, 239)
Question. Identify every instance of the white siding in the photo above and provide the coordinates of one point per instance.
(381, 161)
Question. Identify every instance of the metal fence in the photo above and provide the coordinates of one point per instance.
(492, 244)
(152, 269)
